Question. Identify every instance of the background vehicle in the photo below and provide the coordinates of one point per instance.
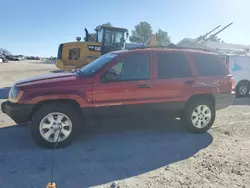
(74, 55)
(52, 58)
(3, 59)
(239, 67)
(31, 58)
(21, 57)
(12, 58)
(190, 84)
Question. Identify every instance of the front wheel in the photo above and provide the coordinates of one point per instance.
(199, 116)
(55, 123)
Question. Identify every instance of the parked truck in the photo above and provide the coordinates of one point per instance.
(239, 67)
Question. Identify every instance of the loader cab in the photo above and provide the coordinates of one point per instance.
(74, 55)
(111, 38)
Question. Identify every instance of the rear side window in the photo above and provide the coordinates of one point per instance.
(209, 65)
(172, 65)
(74, 54)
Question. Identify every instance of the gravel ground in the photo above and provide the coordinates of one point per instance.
(142, 152)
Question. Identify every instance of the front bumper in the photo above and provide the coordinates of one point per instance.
(224, 100)
(20, 113)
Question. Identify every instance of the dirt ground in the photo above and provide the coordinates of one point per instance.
(142, 152)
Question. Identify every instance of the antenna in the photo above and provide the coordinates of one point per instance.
(204, 36)
(213, 35)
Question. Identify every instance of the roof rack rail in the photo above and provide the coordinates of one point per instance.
(172, 46)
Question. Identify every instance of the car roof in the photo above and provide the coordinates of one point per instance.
(157, 49)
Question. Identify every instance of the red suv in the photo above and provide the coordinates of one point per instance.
(191, 84)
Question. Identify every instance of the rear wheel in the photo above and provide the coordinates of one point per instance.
(199, 116)
(242, 89)
(55, 122)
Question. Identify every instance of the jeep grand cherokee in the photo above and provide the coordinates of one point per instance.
(191, 84)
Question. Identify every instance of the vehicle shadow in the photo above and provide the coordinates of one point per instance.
(103, 155)
(241, 101)
(4, 92)
(57, 71)
(43, 62)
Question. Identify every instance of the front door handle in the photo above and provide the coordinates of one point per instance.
(190, 82)
(144, 85)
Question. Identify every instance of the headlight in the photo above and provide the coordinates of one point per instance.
(15, 94)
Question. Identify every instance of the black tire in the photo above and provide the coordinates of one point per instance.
(242, 84)
(187, 115)
(50, 108)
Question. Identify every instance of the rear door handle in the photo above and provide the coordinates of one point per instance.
(190, 82)
(144, 85)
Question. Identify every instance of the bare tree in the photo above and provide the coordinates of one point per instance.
(4, 52)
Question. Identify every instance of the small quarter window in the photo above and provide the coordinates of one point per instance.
(209, 65)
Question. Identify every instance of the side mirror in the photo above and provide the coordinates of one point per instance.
(109, 77)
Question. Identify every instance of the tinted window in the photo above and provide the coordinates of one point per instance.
(209, 65)
(172, 65)
(133, 67)
(74, 54)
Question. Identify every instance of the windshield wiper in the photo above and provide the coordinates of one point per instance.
(79, 72)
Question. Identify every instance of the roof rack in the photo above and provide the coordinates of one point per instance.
(172, 46)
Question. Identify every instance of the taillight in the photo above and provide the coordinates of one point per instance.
(227, 64)
(232, 83)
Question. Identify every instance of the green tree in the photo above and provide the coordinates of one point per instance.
(215, 39)
(162, 38)
(201, 37)
(107, 24)
(141, 33)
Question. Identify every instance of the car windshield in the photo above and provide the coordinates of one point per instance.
(95, 65)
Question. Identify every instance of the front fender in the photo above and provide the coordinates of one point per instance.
(82, 98)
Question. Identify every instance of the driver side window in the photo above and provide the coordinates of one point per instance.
(132, 68)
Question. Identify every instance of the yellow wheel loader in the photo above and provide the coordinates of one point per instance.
(74, 55)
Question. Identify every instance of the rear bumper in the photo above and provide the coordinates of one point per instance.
(20, 113)
(224, 100)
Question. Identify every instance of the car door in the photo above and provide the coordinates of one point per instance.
(129, 90)
(173, 80)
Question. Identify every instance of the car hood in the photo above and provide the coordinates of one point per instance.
(53, 80)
